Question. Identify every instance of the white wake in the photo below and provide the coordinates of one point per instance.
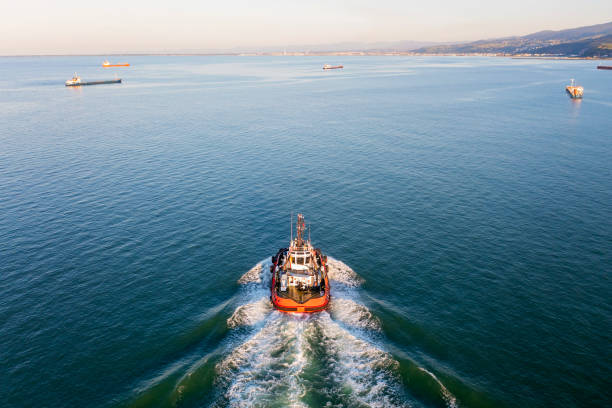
(286, 356)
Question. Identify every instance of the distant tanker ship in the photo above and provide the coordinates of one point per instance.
(77, 81)
(327, 66)
(107, 64)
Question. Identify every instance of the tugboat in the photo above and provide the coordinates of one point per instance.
(575, 92)
(299, 275)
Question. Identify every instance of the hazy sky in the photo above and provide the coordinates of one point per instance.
(106, 26)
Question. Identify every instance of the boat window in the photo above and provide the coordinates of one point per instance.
(308, 259)
(300, 260)
(292, 259)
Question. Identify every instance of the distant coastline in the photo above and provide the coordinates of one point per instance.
(323, 54)
(581, 43)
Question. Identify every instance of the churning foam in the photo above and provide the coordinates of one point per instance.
(357, 365)
(250, 314)
(353, 314)
(269, 367)
(340, 272)
(253, 275)
(265, 369)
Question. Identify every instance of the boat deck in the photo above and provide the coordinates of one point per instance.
(300, 295)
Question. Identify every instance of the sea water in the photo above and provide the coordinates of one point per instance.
(465, 205)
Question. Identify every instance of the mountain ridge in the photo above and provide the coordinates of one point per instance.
(586, 41)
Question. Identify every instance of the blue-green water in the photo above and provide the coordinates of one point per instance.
(467, 203)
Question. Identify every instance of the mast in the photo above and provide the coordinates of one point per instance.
(291, 224)
(300, 227)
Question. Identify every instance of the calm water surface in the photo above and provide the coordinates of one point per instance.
(466, 203)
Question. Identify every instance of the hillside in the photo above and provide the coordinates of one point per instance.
(589, 41)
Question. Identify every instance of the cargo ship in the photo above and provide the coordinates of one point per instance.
(327, 66)
(299, 275)
(107, 64)
(575, 92)
(77, 81)
(604, 67)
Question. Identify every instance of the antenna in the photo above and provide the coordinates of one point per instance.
(291, 227)
(308, 232)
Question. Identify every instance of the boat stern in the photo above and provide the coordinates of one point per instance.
(291, 306)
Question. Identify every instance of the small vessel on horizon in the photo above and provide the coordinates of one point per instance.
(327, 66)
(299, 275)
(77, 81)
(604, 67)
(575, 92)
(107, 64)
